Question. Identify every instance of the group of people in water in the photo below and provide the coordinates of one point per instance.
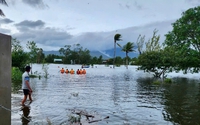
(79, 71)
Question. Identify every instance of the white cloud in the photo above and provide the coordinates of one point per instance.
(92, 23)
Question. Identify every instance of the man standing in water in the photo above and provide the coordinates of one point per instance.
(26, 85)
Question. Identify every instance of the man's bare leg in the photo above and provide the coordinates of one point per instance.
(30, 98)
(24, 100)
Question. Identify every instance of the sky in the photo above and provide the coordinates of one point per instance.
(52, 24)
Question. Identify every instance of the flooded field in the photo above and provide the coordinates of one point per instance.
(121, 96)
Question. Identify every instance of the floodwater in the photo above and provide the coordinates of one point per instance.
(126, 96)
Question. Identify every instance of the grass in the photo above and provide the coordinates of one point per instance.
(33, 76)
(157, 82)
(168, 80)
(16, 79)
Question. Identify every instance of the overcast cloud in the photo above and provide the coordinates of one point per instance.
(52, 24)
(36, 3)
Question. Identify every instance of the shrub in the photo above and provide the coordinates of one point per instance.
(16, 79)
(157, 82)
(168, 80)
(16, 75)
(45, 69)
(33, 76)
(117, 65)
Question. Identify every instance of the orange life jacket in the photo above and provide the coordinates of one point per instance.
(72, 71)
(62, 70)
(80, 71)
(84, 71)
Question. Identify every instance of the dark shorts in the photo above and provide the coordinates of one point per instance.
(26, 91)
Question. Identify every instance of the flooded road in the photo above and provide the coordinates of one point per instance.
(127, 96)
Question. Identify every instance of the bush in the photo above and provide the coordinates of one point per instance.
(16, 75)
(33, 76)
(45, 69)
(157, 82)
(117, 65)
(168, 80)
(16, 79)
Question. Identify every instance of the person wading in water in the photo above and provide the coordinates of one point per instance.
(26, 85)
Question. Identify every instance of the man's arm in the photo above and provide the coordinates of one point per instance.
(28, 85)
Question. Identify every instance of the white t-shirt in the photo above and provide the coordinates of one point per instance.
(25, 77)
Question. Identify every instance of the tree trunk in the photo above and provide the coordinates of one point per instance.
(126, 60)
(31, 69)
(114, 54)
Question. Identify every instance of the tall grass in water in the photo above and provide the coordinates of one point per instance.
(45, 69)
(16, 79)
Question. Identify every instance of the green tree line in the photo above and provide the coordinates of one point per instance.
(75, 53)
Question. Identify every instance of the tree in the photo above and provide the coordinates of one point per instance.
(151, 60)
(16, 46)
(153, 43)
(140, 43)
(127, 48)
(100, 59)
(118, 60)
(77, 55)
(158, 62)
(19, 57)
(4, 3)
(31, 45)
(84, 56)
(117, 37)
(66, 52)
(94, 60)
(185, 38)
(40, 55)
(35, 52)
(50, 58)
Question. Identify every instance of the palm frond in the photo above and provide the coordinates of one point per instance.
(117, 37)
(129, 47)
(3, 2)
(1, 13)
(119, 45)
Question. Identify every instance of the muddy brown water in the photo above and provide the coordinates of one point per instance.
(127, 96)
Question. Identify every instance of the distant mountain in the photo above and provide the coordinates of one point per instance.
(105, 54)
(98, 54)
(92, 53)
(120, 53)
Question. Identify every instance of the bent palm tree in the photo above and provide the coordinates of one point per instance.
(2, 2)
(117, 37)
(127, 48)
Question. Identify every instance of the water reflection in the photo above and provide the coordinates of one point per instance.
(126, 96)
(181, 102)
(123, 96)
(25, 116)
(149, 94)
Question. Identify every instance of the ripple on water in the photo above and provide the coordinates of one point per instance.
(127, 96)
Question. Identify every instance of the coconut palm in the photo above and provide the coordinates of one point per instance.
(117, 37)
(4, 3)
(127, 48)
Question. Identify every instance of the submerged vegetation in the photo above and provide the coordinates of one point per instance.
(168, 80)
(45, 69)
